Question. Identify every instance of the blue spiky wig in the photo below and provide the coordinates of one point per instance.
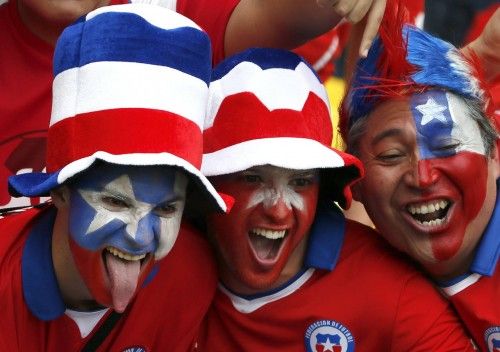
(405, 60)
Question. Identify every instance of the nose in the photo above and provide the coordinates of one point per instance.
(278, 211)
(421, 173)
(427, 174)
(145, 234)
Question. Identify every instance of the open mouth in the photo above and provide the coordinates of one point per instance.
(125, 256)
(267, 243)
(430, 214)
(124, 272)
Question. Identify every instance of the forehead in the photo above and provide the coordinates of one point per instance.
(275, 171)
(143, 182)
(433, 115)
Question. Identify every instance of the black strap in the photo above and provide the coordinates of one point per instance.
(100, 335)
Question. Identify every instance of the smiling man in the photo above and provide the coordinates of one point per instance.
(295, 274)
(419, 119)
(124, 152)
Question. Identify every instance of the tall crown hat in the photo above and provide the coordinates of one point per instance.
(404, 60)
(268, 107)
(130, 88)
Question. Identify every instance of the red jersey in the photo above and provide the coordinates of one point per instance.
(355, 295)
(476, 295)
(164, 316)
(26, 83)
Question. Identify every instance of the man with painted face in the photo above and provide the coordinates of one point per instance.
(418, 117)
(295, 274)
(124, 145)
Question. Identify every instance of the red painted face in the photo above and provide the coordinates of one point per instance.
(429, 187)
(261, 242)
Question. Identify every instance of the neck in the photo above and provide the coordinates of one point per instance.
(45, 30)
(73, 290)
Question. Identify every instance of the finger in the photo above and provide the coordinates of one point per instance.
(344, 7)
(359, 11)
(326, 3)
(374, 17)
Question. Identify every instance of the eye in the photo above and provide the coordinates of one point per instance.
(301, 181)
(391, 156)
(166, 210)
(114, 203)
(251, 178)
(447, 145)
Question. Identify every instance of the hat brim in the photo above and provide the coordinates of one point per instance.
(290, 153)
(40, 184)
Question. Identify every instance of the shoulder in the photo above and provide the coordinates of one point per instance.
(191, 257)
(13, 227)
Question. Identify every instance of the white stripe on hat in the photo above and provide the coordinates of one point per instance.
(268, 87)
(150, 13)
(112, 85)
(286, 152)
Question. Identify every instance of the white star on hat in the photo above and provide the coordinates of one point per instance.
(430, 111)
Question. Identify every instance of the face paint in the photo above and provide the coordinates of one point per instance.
(427, 178)
(119, 218)
(449, 142)
(258, 241)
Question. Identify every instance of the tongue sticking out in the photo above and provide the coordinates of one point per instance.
(123, 277)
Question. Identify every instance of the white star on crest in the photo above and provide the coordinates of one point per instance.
(103, 216)
(328, 346)
(430, 111)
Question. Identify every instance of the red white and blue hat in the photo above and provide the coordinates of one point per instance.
(130, 88)
(268, 107)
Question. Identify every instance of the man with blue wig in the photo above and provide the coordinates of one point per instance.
(419, 117)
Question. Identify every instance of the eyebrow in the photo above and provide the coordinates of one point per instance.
(393, 132)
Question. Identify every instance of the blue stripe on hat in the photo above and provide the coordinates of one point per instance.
(127, 37)
(264, 58)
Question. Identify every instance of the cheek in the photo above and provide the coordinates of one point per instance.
(469, 172)
(168, 231)
(309, 200)
(91, 268)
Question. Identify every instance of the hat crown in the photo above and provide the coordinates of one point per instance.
(256, 79)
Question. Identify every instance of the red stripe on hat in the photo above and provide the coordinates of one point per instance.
(123, 131)
(242, 117)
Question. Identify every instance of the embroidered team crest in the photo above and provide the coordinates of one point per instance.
(492, 338)
(134, 349)
(328, 336)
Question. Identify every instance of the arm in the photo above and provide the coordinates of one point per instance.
(487, 47)
(290, 23)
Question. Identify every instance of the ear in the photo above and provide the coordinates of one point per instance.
(356, 192)
(60, 197)
(495, 156)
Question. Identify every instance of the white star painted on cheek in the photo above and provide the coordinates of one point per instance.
(430, 111)
(130, 216)
(328, 346)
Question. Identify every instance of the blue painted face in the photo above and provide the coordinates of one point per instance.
(133, 210)
(120, 219)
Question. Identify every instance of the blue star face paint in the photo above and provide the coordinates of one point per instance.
(119, 219)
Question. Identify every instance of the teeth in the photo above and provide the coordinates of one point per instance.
(118, 253)
(431, 223)
(270, 234)
(428, 208)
